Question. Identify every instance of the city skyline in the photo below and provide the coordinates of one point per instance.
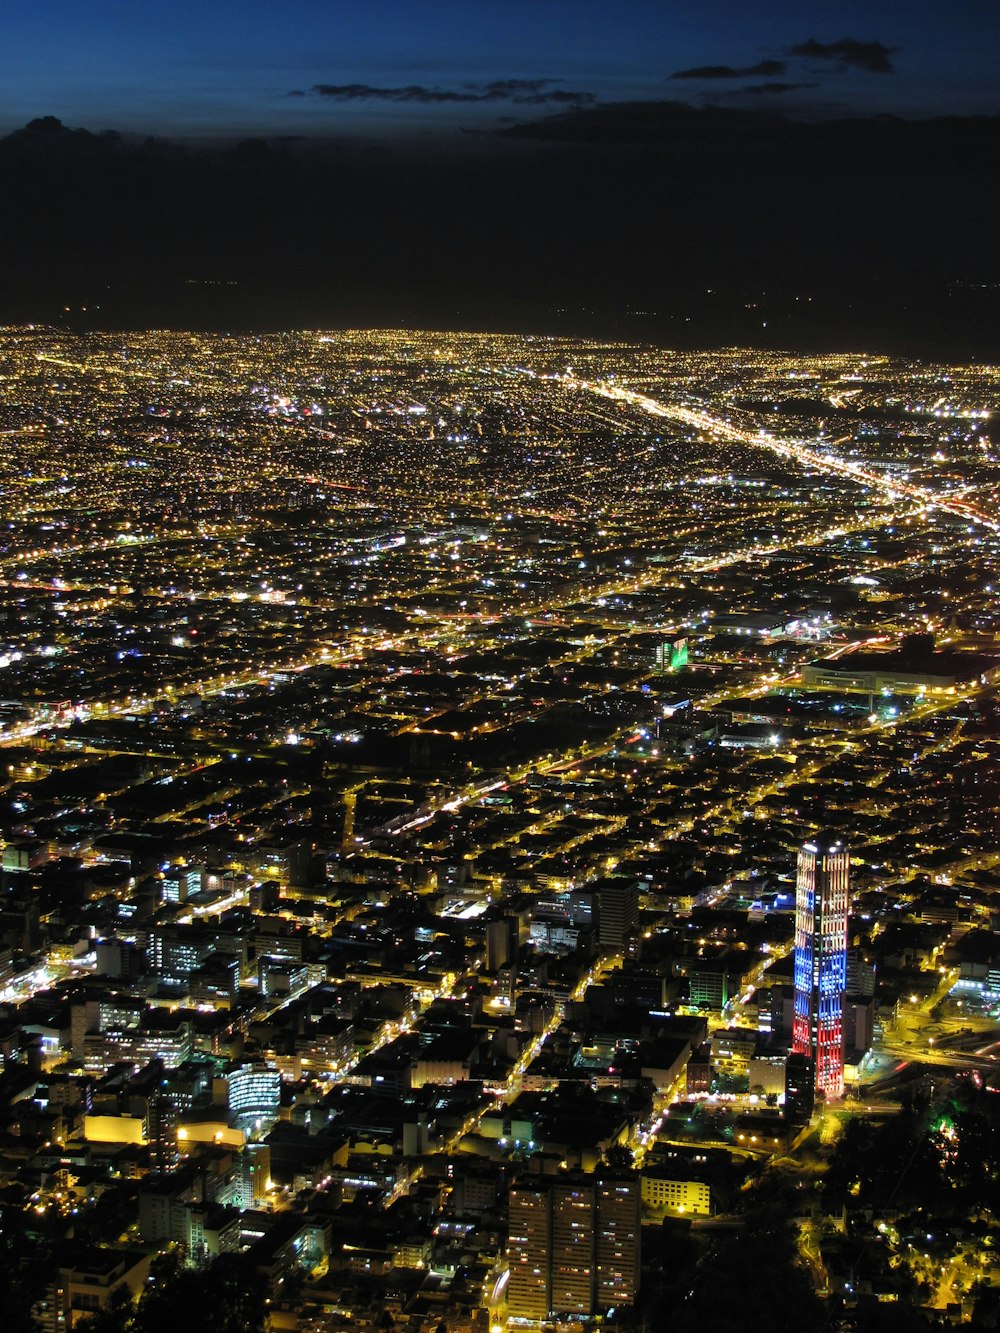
(415, 902)
(499, 667)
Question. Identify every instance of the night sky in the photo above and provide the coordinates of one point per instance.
(648, 168)
(217, 67)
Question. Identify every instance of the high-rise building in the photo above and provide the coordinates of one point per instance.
(573, 1246)
(860, 975)
(529, 1239)
(252, 1091)
(501, 944)
(617, 912)
(619, 1227)
(572, 1290)
(821, 959)
(671, 655)
(800, 1089)
(253, 1175)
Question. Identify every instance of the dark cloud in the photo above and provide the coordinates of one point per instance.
(848, 53)
(514, 86)
(528, 92)
(763, 69)
(556, 97)
(707, 72)
(775, 87)
(365, 92)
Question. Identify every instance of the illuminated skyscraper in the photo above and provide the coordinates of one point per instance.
(821, 959)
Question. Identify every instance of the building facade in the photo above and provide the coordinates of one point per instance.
(572, 1252)
(617, 913)
(528, 1250)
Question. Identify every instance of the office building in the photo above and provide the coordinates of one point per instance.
(501, 944)
(860, 975)
(252, 1092)
(821, 959)
(665, 1193)
(618, 913)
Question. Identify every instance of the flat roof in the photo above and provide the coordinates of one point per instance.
(943, 663)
